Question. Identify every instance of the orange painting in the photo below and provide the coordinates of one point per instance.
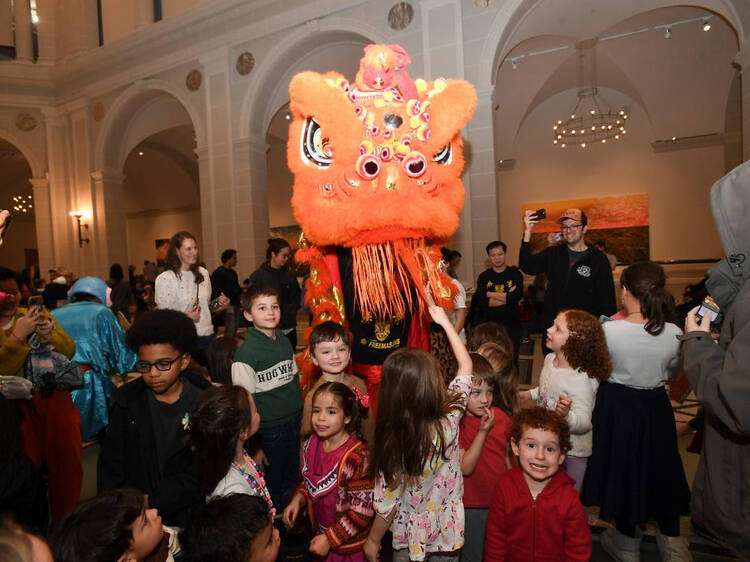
(621, 211)
(620, 222)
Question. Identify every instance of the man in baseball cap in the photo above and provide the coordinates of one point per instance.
(580, 276)
(575, 215)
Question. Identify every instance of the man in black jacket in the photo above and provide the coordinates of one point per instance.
(146, 442)
(580, 276)
(499, 290)
(224, 280)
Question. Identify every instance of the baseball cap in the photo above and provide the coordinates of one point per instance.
(575, 215)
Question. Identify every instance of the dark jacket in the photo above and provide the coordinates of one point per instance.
(225, 280)
(121, 296)
(284, 281)
(554, 526)
(510, 281)
(588, 285)
(129, 458)
(22, 491)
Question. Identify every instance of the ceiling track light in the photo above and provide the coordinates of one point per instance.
(706, 26)
(667, 32)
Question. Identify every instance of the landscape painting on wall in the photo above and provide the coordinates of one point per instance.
(162, 245)
(621, 222)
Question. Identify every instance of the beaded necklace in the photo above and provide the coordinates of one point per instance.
(249, 471)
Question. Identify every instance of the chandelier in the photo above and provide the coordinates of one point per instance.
(592, 120)
(23, 203)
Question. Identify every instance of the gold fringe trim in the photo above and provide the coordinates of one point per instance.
(395, 278)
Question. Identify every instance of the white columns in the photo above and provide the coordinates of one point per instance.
(58, 152)
(482, 197)
(145, 13)
(251, 202)
(43, 220)
(218, 193)
(22, 18)
(46, 32)
(107, 229)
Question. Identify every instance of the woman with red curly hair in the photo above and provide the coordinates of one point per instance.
(570, 378)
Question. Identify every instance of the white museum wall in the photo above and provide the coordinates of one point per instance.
(677, 182)
(280, 182)
(143, 231)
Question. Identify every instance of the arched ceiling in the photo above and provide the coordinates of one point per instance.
(681, 83)
(14, 175)
(161, 173)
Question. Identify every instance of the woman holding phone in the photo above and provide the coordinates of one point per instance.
(186, 286)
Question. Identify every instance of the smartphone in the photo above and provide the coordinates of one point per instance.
(709, 306)
(540, 214)
(214, 303)
(603, 319)
(36, 302)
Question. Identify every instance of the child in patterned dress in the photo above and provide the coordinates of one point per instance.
(418, 484)
(225, 417)
(335, 482)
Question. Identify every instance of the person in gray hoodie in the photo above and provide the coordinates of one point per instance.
(720, 374)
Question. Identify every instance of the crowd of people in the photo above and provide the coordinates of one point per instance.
(212, 450)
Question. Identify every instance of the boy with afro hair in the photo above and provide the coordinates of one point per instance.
(145, 446)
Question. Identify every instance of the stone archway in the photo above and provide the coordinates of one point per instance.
(41, 229)
(142, 110)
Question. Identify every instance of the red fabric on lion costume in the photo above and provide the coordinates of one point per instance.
(377, 188)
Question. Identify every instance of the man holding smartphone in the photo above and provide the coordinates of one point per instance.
(580, 276)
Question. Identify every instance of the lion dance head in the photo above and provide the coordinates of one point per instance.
(377, 166)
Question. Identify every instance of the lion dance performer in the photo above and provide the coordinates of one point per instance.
(377, 189)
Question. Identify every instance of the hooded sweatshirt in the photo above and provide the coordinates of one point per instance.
(720, 375)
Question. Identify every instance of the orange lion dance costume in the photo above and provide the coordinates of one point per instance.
(377, 188)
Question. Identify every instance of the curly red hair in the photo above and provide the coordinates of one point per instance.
(539, 417)
(586, 348)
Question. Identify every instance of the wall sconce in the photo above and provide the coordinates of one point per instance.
(78, 215)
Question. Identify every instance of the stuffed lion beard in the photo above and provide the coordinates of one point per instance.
(377, 188)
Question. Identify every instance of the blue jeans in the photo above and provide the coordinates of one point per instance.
(281, 445)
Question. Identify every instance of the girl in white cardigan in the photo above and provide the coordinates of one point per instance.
(570, 378)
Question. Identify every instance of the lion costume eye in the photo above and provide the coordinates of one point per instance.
(314, 146)
(445, 156)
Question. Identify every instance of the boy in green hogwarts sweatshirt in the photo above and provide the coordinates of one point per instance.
(265, 366)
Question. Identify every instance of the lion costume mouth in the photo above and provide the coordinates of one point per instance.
(394, 278)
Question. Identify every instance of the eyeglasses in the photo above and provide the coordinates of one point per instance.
(144, 367)
(570, 227)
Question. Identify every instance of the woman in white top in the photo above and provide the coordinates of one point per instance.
(186, 286)
(635, 473)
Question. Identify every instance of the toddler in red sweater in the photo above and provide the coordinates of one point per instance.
(483, 438)
(537, 491)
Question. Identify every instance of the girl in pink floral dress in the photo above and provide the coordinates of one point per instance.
(419, 487)
(335, 483)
